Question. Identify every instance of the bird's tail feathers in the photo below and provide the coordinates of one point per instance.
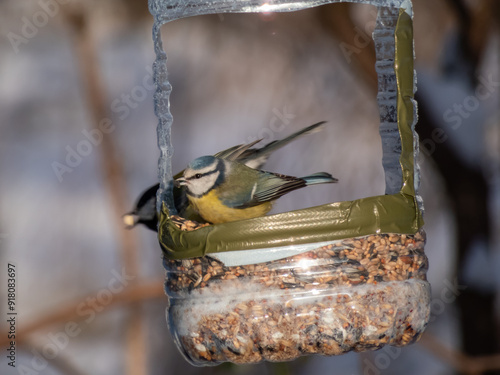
(319, 178)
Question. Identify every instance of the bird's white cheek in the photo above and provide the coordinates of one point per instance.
(203, 185)
(196, 187)
(192, 188)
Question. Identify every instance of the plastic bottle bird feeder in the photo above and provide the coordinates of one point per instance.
(329, 279)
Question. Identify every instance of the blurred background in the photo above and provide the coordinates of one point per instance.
(78, 145)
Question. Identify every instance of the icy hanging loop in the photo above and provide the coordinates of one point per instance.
(383, 36)
(168, 10)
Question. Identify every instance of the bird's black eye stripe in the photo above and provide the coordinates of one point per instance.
(200, 175)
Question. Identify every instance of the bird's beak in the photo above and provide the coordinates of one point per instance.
(130, 220)
(181, 181)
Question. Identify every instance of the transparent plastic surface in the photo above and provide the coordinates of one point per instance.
(165, 10)
(383, 36)
(355, 294)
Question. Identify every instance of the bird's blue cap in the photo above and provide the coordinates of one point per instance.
(202, 162)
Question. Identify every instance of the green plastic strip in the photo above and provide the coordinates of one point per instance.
(396, 213)
(403, 66)
(381, 214)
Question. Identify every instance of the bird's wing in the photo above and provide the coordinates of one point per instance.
(268, 187)
(235, 153)
(257, 157)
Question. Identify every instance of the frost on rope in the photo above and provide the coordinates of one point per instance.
(383, 35)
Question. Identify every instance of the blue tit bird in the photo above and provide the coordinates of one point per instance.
(222, 190)
(144, 211)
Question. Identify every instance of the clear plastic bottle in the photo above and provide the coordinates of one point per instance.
(356, 293)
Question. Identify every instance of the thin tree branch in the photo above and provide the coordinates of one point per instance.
(129, 296)
(115, 182)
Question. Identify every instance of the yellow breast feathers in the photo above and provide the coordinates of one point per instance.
(215, 212)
